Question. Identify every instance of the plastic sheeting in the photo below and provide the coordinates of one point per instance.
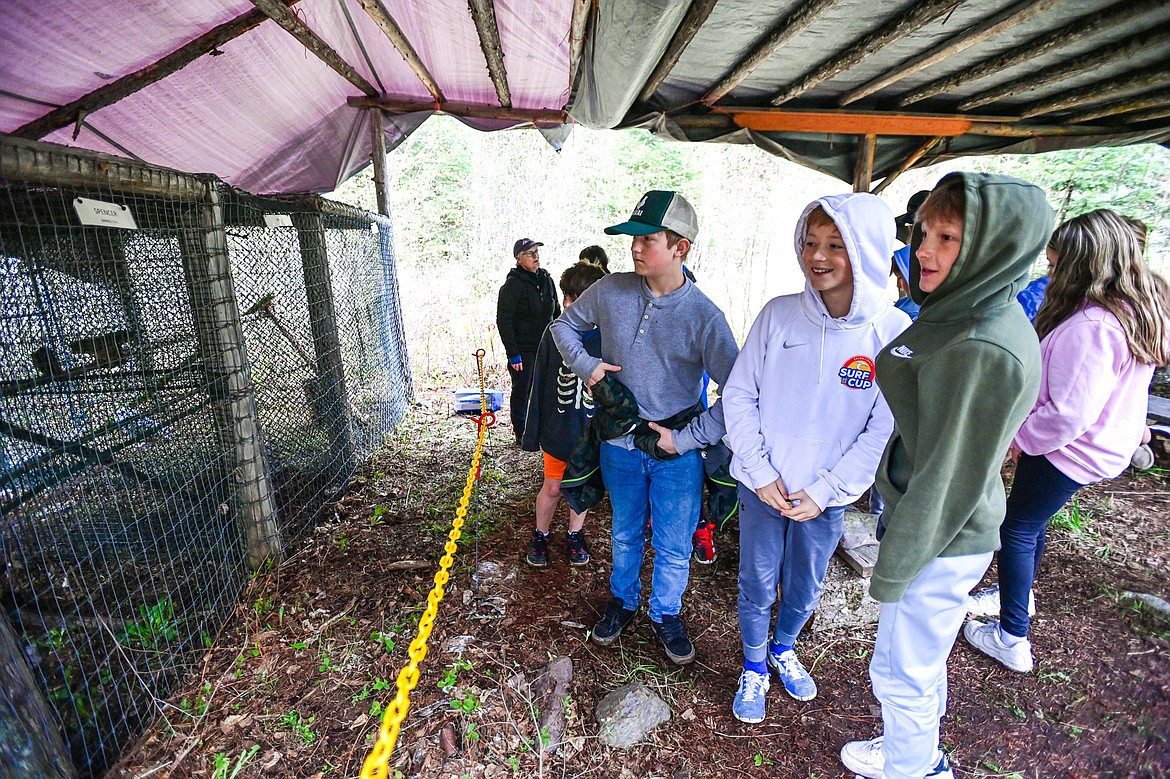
(263, 113)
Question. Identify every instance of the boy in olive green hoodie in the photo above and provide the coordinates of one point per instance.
(959, 382)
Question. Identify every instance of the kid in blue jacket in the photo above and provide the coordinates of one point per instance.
(807, 425)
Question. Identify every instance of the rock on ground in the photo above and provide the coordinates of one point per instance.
(628, 713)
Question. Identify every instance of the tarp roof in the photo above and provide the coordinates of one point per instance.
(273, 95)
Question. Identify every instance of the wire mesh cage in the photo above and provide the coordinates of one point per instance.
(187, 374)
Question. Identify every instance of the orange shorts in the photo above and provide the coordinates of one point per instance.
(553, 468)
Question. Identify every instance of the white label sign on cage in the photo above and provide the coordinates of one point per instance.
(278, 220)
(98, 213)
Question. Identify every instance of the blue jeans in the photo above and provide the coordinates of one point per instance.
(670, 491)
(774, 550)
(1038, 492)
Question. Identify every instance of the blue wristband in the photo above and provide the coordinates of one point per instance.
(516, 360)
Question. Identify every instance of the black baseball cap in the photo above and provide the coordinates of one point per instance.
(912, 205)
(523, 245)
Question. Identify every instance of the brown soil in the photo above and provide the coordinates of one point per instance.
(294, 674)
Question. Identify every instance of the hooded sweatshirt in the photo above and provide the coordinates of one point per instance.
(802, 403)
(960, 381)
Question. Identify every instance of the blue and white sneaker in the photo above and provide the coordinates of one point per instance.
(797, 681)
(749, 698)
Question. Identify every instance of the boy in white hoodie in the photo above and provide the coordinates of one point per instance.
(807, 426)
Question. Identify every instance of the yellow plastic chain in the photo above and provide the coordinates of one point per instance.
(377, 764)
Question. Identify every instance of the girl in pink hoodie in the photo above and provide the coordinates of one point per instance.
(1103, 327)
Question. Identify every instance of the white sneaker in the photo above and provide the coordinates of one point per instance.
(865, 758)
(985, 637)
(985, 602)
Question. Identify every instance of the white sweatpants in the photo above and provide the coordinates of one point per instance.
(909, 667)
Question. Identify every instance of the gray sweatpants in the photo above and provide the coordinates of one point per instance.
(774, 550)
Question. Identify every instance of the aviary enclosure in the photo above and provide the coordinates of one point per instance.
(187, 373)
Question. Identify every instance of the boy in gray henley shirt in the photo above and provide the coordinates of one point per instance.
(659, 334)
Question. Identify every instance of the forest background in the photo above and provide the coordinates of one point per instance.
(460, 199)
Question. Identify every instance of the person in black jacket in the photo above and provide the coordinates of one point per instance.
(527, 303)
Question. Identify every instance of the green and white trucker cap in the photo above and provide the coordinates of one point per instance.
(659, 210)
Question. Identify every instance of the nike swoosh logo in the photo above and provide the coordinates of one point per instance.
(788, 345)
(903, 351)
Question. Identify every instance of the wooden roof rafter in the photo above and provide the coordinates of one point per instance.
(1125, 106)
(1017, 14)
(1110, 54)
(789, 28)
(906, 164)
(483, 13)
(695, 16)
(278, 12)
(465, 110)
(1120, 86)
(76, 111)
(919, 14)
(381, 16)
(1074, 32)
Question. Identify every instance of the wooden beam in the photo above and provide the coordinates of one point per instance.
(377, 11)
(577, 30)
(483, 13)
(378, 159)
(919, 14)
(696, 14)
(863, 169)
(1134, 81)
(1159, 112)
(278, 12)
(789, 28)
(1017, 14)
(846, 123)
(768, 119)
(140, 79)
(1110, 54)
(1147, 100)
(1074, 32)
(907, 163)
(534, 115)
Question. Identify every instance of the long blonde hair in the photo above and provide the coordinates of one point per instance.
(1099, 260)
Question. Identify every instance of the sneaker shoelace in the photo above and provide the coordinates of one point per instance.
(671, 630)
(752, 686)
(790, 664)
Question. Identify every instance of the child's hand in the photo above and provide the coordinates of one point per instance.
(665, 438)
(774, 495)
(600, 371)
(803, 507)
(1014, 453)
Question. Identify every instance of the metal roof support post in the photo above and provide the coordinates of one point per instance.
(328, 386)
(216, 317)
(378, 159)
(863, 171)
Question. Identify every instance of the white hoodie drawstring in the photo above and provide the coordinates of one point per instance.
(821, 359)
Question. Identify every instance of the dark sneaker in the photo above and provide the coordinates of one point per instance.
(538, 550)
(578, 552)
(704, 542)
(615, 619)
(673, 635)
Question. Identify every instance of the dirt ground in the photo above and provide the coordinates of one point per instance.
(297, 680)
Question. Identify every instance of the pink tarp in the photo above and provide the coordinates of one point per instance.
(265, 114)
